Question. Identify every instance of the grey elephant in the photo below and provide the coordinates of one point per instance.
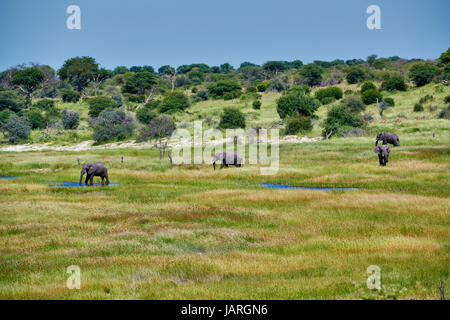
(227, 158)
(391, 138)
(94, 170)
(383, 153)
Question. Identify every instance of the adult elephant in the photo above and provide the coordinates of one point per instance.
(227, 158)
(383, 154)
(94, 170)
(391, 138)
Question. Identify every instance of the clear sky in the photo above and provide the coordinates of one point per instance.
(175, 32)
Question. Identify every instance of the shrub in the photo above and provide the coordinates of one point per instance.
(370, 96)
(328, 100)
(136, 98)
(70, 119)
(251, 89)
(368, 85)
(10, 100)
(231, 95)
(4, 116)
(202, 95)
(296, 101)
(279, 84)
(145, 115)
(194, 90)
(232, 118)
(158, 128)
(218, 89)
(348, 92)
(35, 119)
(355, 74)
(298, 123)
(354, 103)
(70, 95)
(174, 101)
(422, 73)
(311, 74)
(47, 106)
(340, 118)
(262, 86)
(418, 107)
(445, 113)
(426, 99)
(100, 103)
(389, 101)
(154, 104)
(447, 99)
(257, 104)
(113, 125)
(329, 92)
(393, 82)
(16, 129)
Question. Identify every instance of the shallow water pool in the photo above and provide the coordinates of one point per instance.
(286, 186)
(8, 177)
(77, 185)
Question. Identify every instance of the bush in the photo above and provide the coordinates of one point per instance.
(145, 115)
(329, 92)
(279, 84)
(4, 116)
(136, 98)
(389, 101)
(445, 113)
(100, 103)
(202, 95)
(218, 89)
(16, 129)
(422, 73)
(392, 82)
(113, 125)
(70, 95)
(251, 89)
(262, 86)
(447, 99)
(296, 102)
(311, 74)
(47, 106)
(232, 118)
(10, 100)
(160, 127)
(354, 103)
(231, 95)
(340, 118)
(425, 99)
(418, 107)
(298, 123)
(70, 119)
(368, 85)
(257, 104)
(35, 119)
(328, 100)
(355, 74)
(174, 101)
(370, 96)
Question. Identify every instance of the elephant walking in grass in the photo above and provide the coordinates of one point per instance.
(94, 170)
(391, 138)
(383, 153)
(227, 158)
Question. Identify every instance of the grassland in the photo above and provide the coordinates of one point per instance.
(188, 232)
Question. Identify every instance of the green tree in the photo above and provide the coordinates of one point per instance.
(296, 101)
(370, 96)
(422, 73)
(445, 56)
(221, 87)
(355, 74)
(312, 74)
(11, 101)
(298, 123)
(145, 115)
(28, 80)
(78, 71)
(174, 101)
(368, 85)
(329, 92)
(392, 82)
(339, 117)
(140, 84)
(232, 118)
(16, 129)
(274, 67)
(113, 125)
(100, 103)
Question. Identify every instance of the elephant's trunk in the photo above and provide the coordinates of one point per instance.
(81, 176)
(214, 165)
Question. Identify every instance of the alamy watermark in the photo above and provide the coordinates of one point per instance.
(74, 280)
(74, 20)
(374, 279)
(374, 20)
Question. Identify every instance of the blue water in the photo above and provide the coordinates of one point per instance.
(286, 186)
(7, 177)
(77, 185)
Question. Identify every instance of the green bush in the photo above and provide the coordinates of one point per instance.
(447, 99)
(444, 113)
(113, 125)
(262, 86)
(389, 101)
(355, 74)
(36, 119)
(232, 95)
(70, 95)
(48, 107)
(298, 123)
(425, 99)
(100, 103)
(370, 96)
(251, 89)
(422, 73)
(329, 92)
(174, 101)
(354, 103)
(4, 116)
(136, 98)
(340, 118)
(279, 84)
(145, 115)
(418, 107)
(16, 129)
(296, 101)
(160, 127)
(11, 100)
(368, 85)
(257, 104)
(70, 119)
(232, 118)
(328, 100)
(221, 87)
(392, 82)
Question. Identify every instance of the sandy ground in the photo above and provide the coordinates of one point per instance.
(89, 145)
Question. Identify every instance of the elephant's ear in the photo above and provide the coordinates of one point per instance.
(90, 170)
(377, 149)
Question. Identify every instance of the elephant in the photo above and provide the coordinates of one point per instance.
(94, 170)
(391, 138)
(383, 153)
(230, 158)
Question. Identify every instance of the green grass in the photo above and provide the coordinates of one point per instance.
(188, 232)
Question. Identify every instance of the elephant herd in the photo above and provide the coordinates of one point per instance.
(232, 158)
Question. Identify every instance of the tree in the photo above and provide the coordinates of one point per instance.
(9, 100)
(16, 129)
(70, 95)
(221, 87)
(145, 115)
(371, 59)
(312, 74)
(355, 74)
(232, 118)
(298, 123)
(274, 67)
(422, 73)
(371, 96)
(100, 103)
(392, 82)
(368, 85)
(159, 128)
(79, 71)
(354, 103)
(329, 92)
(120, 70)
(70, 119)
(174, 101)
(113, 125)
(99, 77)
(226, 68)
(296, 101)
(140, 84)
(445, 56)
(169, 73)
(28, 80)
(251, 73)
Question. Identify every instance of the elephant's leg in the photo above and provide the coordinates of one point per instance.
(380, 158)
(107, 180)
(88, 177)
(103, 180)
(92, 180)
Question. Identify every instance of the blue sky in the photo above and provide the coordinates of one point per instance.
(175, 32)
